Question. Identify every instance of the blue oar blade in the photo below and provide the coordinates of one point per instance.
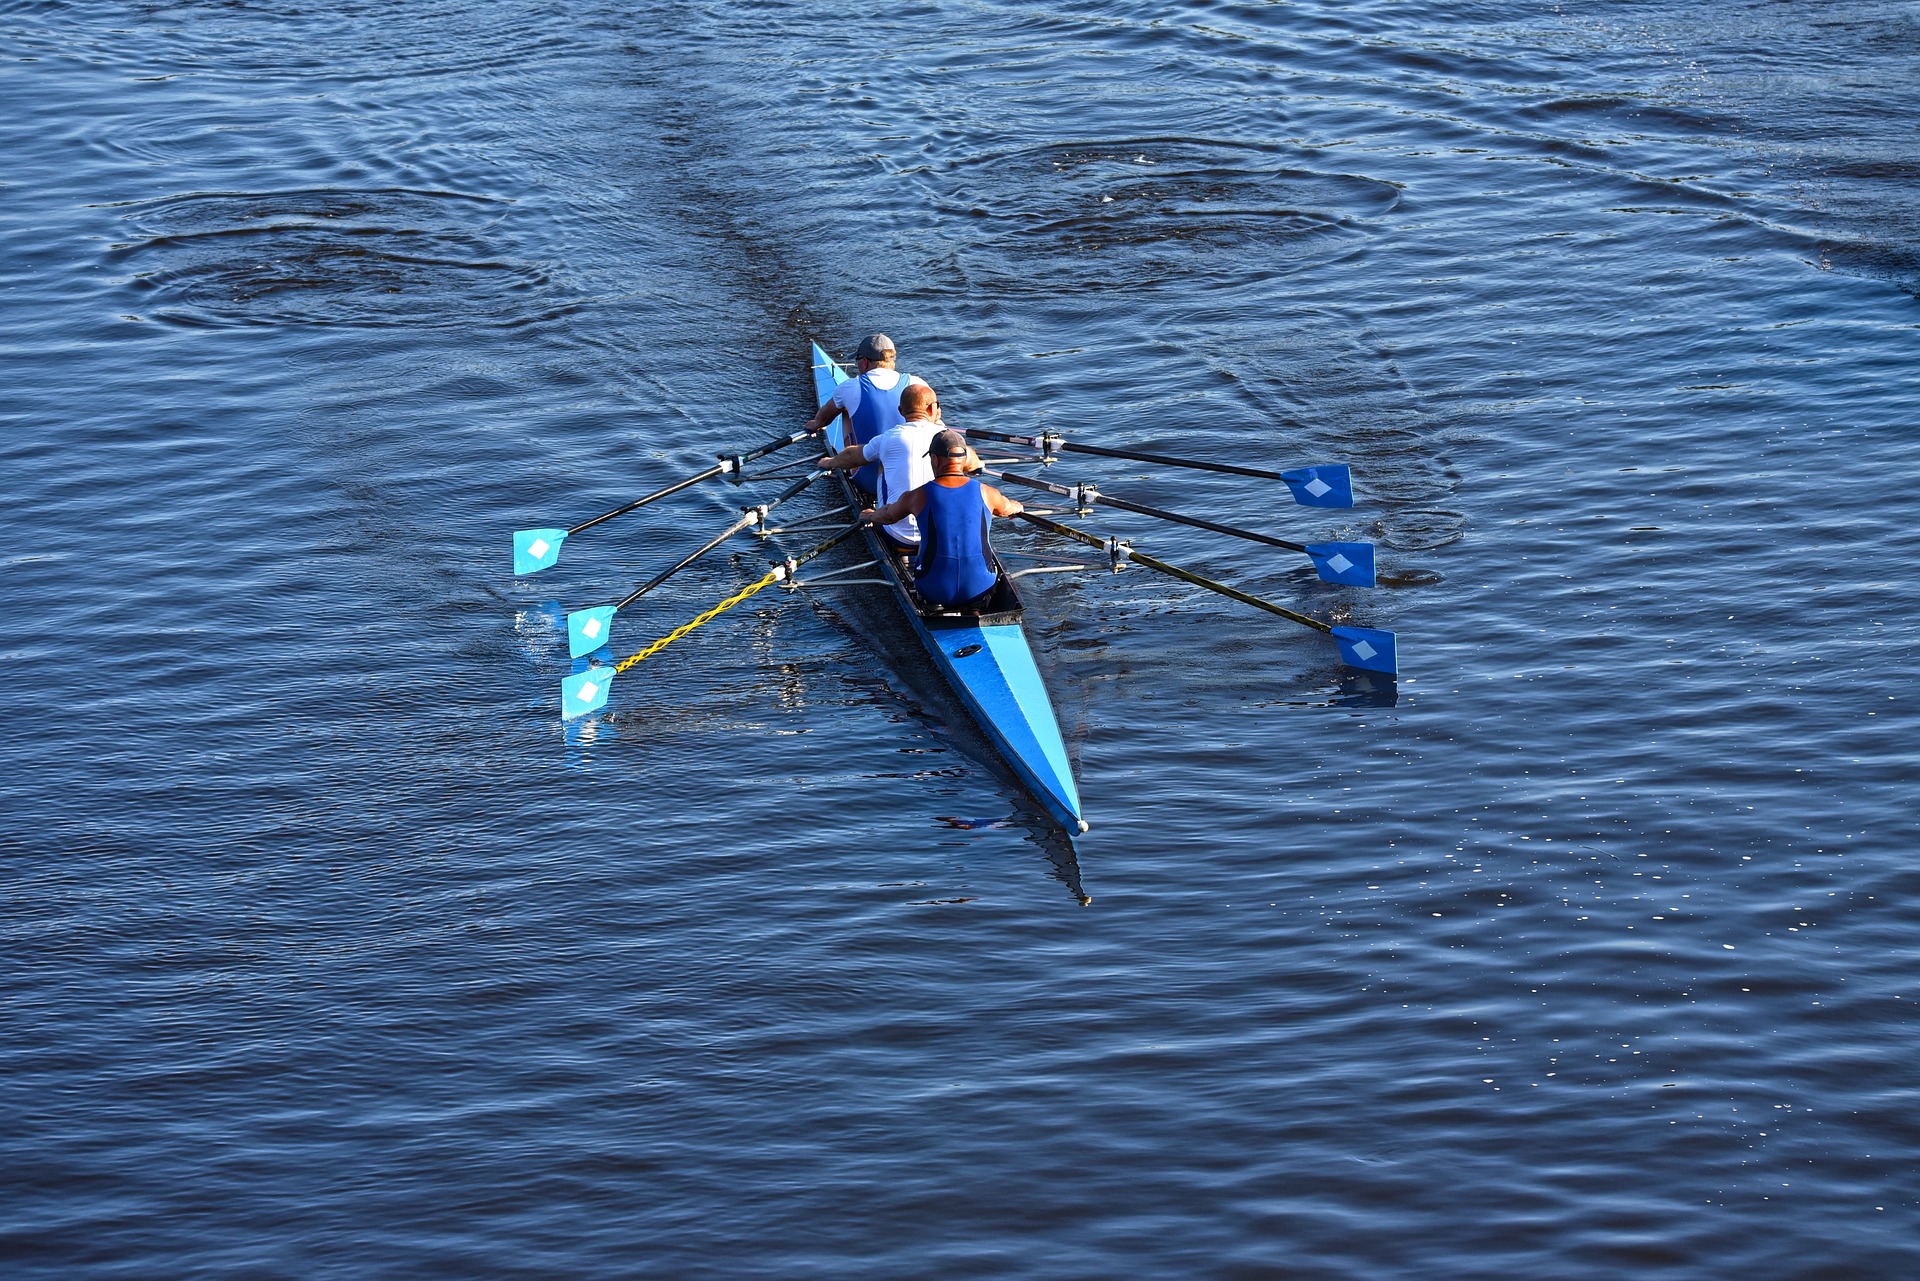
(588, 629)
(1368, 649)
(585, 692)
(1328, 485)
(1348, 563)
(536, 549)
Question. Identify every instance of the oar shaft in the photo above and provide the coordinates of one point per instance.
(1174, 571)
(1167, 460)
(718, 469)
(1197, 523)
(1063, 490)
(1111, 500)
(745, 520)
(1255, 601)
(775, 446)
(657, 494)
(750, 516)
(1135, 455)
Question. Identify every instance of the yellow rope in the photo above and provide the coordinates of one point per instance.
(709, 616)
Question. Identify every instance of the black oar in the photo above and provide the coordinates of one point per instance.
(538, 549)
(1327, 485)
(1366, 648)
(588, 629)
(1350, 564)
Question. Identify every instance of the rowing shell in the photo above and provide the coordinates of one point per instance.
(984, 656)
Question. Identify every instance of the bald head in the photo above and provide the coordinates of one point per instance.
(918, 401)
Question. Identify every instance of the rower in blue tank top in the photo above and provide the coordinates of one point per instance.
(905, 464)
(871, 401)
(955, 566)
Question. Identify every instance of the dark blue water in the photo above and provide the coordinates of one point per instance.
(1584, 952)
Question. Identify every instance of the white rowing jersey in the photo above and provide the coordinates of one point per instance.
(904, 467)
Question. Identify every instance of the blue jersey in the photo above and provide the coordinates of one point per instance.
(955, 562)
(877, 411)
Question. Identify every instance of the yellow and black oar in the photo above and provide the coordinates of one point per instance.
(586, 691)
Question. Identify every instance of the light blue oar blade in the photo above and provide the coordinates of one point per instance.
(585, 692)
(1329, 485)
(588, 629)
(1348, 563)
(827, 375)
(1367, 649)
(536, 549)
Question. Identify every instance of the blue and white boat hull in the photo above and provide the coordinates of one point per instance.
(985, 658)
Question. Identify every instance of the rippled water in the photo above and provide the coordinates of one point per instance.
(333, 952)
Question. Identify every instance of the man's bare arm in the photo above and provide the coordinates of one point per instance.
(911, 503)
(827, 413)
(852, 456)
(999, 504)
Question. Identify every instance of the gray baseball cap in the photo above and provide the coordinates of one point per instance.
(947, 444)
(874, 347)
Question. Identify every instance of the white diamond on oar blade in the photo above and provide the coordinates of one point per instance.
(1364, 650)
(538, 547)
(592, 628)
(587, 691)
(1317, 487)
(1338, 563)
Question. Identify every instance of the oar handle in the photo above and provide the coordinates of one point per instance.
(1065, 531)
(1174, 571)
(1052, 440)
(1001, 435)
(1031, 483)
(770, 447)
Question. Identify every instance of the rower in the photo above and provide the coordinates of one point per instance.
(955, 567)
(902, 453)
(871, 401)
(899, 455)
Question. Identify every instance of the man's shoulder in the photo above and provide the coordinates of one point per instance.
(918, 430)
